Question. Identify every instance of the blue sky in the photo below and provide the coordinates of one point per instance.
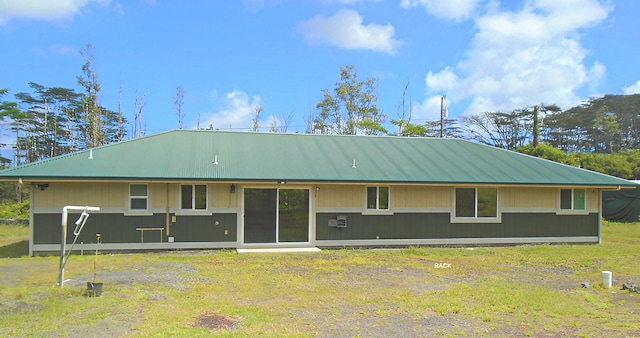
(231, 56)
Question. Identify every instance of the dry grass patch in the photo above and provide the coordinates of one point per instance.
(496, 291)
(214, 322)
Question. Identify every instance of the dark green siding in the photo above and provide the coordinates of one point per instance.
(204, 228)
(118, 228)
(438, 225)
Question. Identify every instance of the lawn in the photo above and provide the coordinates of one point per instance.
(530, 290)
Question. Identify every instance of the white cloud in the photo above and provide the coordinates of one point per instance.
(446, 9)
(524, 58)
(63, 50)
(633, 89)
(346, 30)
(428, 110)
(48, 10)
(236, 113)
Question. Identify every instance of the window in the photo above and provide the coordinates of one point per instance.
(378, 198)
(476, 203)
(572, 199)
(193, 197)
(138, 196)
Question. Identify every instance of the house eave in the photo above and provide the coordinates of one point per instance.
(284, 181)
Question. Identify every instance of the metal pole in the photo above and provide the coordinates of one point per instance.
(63, 242)
(63, 235)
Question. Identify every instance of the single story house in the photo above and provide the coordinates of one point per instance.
(193, 189)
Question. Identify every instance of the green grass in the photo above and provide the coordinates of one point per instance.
(530, 290)
(14, 240)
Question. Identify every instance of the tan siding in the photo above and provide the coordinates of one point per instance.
(541, 198)
(421, 197)
(105, 195)
(342, 196)
(528, 198)
(221, 197)
(593, 197)
(158, 195)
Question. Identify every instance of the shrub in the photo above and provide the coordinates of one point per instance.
(14, 210)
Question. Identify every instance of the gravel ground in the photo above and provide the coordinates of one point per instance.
(335, 319)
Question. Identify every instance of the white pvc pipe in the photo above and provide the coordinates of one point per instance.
(63, 240)
(606, 279)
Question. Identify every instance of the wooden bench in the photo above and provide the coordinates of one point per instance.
(142, 230)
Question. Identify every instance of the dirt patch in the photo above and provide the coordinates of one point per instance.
(178, 275)
(628, 299)
(16, 306)
(214, 322)
(335, 294)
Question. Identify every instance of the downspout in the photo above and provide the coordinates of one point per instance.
(31, 216)
(167, 220)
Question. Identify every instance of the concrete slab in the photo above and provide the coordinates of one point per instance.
(278, 250)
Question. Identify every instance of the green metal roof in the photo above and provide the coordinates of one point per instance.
(242, 156)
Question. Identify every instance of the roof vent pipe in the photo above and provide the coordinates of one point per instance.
(215, 160)
(354, 164)
(90, 154)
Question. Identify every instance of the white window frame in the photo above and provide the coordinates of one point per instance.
(475, 218)
(129, 210)
(377, 210)
(193, 210)
(572, 211)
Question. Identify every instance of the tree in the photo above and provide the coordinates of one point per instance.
(449, 127)
(414, 130)
(273, 125)
(45, 128)
(352, 108)
(120, 117)
(91, 112)
(536, 126)
(11, 111)
(178, 100)
(96, 124)
(548, 152)
(39, 130)
(562, 131)
(606, 132)
(255, 118)
(602, 125)
(286, 122)
(499, 129)
(624, 164)
(405, 110)
(8, 110)
(539, 112)
(610, 164)
(138, 125)
(310, 122)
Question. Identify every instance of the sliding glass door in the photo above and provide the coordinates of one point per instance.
(276, 215)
